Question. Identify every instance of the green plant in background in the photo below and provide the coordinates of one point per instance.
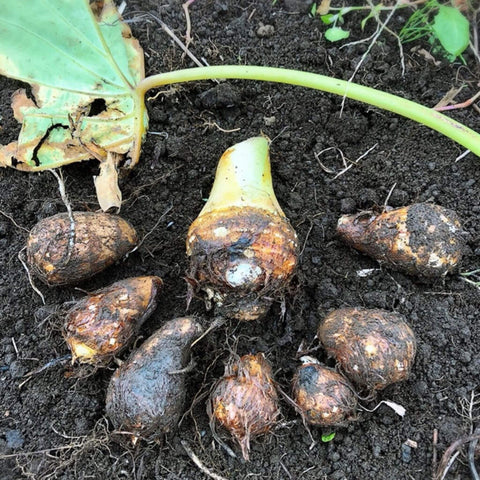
(334, 33)
(86, 74)
(442, 24)
(335, 16)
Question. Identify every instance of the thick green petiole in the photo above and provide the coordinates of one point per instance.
(424, 115)
(243, 179)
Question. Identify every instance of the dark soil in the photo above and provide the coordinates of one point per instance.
(54, 425)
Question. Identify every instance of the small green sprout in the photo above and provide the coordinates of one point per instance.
(336, 33)
(328, 437)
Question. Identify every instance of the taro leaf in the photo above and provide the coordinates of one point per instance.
(83, 64)
(452, 30)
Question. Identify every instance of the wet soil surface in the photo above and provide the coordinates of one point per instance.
(53, 426)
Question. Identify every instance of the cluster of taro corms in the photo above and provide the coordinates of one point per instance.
(243, 254)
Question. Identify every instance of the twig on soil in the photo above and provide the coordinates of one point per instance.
(388, 196)
(136, 193)
(463, 155)
(322, 166)
(310, 219)
(198, 462)
(467, 408)
(217, 323)
(434, 453)
(285, 469)
(475, 274)
(449, 97)
(381, 25)
(169, 32)
(451, 453)
(307, 470)
(471, 455)
(25, 266)
(52, 363)
(158, 465)
(210, 123)
(468, 411)
(67, 456)
(347, 167)
(172, 35)
(14, 343)
(397, 408)
(456, 106)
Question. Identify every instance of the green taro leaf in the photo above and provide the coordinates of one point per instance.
(335, 34)
(83, 65)
(452, 30)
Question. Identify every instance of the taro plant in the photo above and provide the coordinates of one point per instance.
(87, 89)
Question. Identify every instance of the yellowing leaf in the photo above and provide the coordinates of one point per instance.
(83, 65)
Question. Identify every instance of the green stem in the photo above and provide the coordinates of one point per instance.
(426, 116)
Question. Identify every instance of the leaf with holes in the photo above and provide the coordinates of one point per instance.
(83, 65)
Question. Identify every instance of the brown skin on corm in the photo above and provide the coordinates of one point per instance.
(104, 323)
(59, 257)
(145, 396)
(245, 401)
(374, 347)
(242, 240)
(323, 397)
(422, 239)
